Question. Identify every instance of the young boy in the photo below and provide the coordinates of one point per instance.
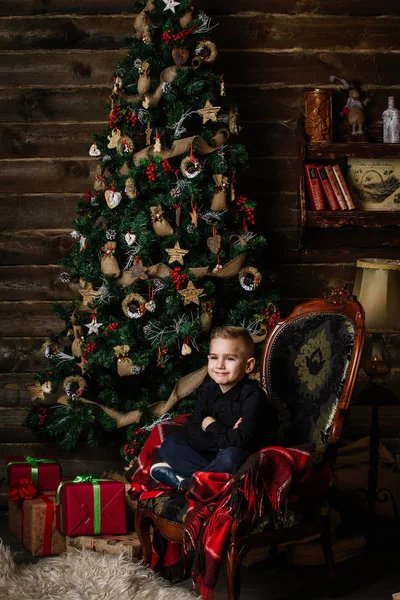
(229, 419)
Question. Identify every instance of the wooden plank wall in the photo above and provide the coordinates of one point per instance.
(56, 60)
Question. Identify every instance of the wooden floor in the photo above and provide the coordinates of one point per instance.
(370, 577)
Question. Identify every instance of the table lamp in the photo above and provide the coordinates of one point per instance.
(377, 287)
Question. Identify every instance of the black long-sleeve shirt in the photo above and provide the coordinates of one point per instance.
(245, 400)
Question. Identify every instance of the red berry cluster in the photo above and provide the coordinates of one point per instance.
(168, 168)
(178, 278)
(249, 212)
(272, 317)
(167, 36)
(151, 172)
(43, 414)
(115, 116)
(128, 450)
(113, 326)
(89, 195)
(89, 348)
(131, 118)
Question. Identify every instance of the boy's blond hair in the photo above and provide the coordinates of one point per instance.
(229, 332)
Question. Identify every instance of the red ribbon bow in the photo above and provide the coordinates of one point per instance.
(22, 490)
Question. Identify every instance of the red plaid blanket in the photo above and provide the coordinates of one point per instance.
(267, 479)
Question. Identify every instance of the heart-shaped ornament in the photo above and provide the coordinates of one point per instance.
(130, 238)
(186, 350)
(46, 387)
(214, 243)
(150, 306)
(94, 151)
(112, 198)
(180, 56)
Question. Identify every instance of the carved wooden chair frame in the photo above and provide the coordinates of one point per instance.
(241, 539)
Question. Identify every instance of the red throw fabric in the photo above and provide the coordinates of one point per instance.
(272, 475)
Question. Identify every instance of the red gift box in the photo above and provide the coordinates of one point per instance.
(89, 506)
(33, 522)
(44, 471)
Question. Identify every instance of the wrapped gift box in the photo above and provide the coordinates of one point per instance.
(44, 471)
(91, 507)
(33, 522)
(112, 544)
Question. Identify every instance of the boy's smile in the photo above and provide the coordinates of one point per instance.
(228, 362)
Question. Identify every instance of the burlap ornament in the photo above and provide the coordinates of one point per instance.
(114, 139)
(130, 188)
(144, 81)
(206, 316)
(124, 170)
(99, 182)
(185, 19)
(160, 225)
(109, 264)
(180, 56)
(88, 296)
(124, 363)
(140, 20)
(219, 200)
(78, 338)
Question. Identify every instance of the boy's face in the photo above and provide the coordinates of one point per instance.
(228, 362)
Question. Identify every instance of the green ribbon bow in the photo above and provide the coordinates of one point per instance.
(34, 464)
(96, 499)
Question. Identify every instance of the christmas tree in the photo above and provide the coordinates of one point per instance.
(163, 248)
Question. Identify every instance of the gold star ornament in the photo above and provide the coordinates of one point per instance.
(209, 112)
(191, 294)
(176, 254)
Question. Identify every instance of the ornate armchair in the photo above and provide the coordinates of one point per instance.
(309, 366)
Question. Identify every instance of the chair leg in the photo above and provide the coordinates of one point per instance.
(233, 563)
(327, 548)
(142, 528)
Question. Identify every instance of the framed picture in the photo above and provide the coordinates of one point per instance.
(375, 183)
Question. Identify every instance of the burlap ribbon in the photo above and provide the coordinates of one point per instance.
(180, 147)
(76, 344)
(185, 386)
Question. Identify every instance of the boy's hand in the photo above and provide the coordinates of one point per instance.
(236, 425)
(206, 422)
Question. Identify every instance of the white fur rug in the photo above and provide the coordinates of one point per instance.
(83, 575)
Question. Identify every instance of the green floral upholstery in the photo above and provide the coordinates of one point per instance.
(307, 370)
(171, 506)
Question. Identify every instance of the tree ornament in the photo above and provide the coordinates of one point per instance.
(82, 365)
(214, 242)
(175, 192)
(49, 348)
(250, 278)
(126, 144)
(150, 305)
(99, 182)
(190, 167)
(191, 294)
(144, 78)
(218, 267)
(170, 5)
(113, 198)
(194, 217)
(222, 88)
(206, 316)
(162, 356)
(111, 234)
(130, 238)
(109, 264)
(219, 199)
(209, 112)
(88, 296)
(114, 139)
(94, 325)
(130, 188)
(78, 339)
(137, 369)
(146, 103)
(176, 254)
(94, 151)
(124, 363)
(151, 172)
(178, 278)
(74, 386)
(180, 56)
(46, 387)
(133, 306)
(206, 51)
(148, 134)
(65, 277)
(146, 35)
(160, 225)
(186, 349)
(157, 143)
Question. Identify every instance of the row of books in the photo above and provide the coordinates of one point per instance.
(327, 188)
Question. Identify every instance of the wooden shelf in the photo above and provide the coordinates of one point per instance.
(333, 151)
(360, 218)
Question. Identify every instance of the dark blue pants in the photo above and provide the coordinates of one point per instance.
(176, 451)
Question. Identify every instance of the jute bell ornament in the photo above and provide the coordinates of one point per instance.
(109, 264)
(99, 182)
(144, 78)
(160, 225)
(219, 200)
(78, 338)
(206, 316)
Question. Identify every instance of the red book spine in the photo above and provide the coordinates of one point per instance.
(326, 185)
(314, 188)
(335, 186)
(343, 187)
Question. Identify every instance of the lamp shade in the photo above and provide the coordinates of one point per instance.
(377, 287)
